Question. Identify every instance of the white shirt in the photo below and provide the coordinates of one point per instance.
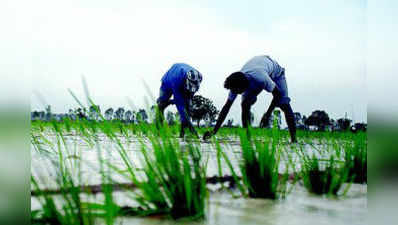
(261, 71)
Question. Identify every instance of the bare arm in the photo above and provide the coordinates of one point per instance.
(245, 115)
(223, 114)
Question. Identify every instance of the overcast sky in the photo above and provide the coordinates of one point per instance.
(117, 45)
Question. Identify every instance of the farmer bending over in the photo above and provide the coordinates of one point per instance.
(181, 81)
(259, 73)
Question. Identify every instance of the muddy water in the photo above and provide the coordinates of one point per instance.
(109, 150)
(299, 207)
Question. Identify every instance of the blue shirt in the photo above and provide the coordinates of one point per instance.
(174, 79)
(261, 71)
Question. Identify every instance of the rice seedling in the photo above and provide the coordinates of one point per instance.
(72, 210)
(259, 167)
(236, 179)
(323, 176)
(173, 180)
(48, 214)
(68, 207)
(356, 160)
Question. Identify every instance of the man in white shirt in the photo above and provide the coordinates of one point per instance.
(258, 74)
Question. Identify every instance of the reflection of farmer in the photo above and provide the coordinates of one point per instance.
(181, 81)
(259, 73)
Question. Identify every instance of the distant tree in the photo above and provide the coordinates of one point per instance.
(334, 124)
(318, 118)
(94, 112)
(344, 123)
(133, 116)
(71, 114)
(85, 112)
(81, 113)
(98, 112)
(119, 113)
(304, 125)
(127, 116)
(170, 118)
(142, 116)
(203, 109)
(42, 115)
(48, 113)
(360, 127)
(34, 115)
(91, 112)
(109, 114)
(299, 120)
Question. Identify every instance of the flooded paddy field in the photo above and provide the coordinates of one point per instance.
(106, 173)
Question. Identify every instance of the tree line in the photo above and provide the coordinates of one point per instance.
(201, 109)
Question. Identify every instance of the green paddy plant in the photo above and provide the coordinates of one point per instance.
(172, 178)
(64, 209)
(48, 214)
(68, 207)
(258, 165)
(108, 209)
(260, 168)
(356, 159)
(322, 176)
(236, 179)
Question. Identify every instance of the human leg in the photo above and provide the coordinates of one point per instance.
(284, 104)
(289, 116)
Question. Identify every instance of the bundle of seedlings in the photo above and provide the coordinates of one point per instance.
(172, 180)
(259, 168)
(356, 160)
(324, 176)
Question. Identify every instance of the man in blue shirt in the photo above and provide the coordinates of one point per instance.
(258, 74)
(181, 81)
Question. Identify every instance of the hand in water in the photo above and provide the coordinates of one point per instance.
(191, 129)
(207, 135)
